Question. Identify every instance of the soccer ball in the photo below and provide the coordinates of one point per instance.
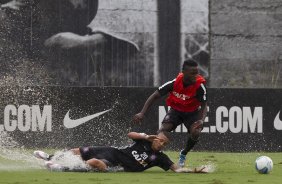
(264, 164)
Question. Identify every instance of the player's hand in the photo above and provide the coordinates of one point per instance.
(137, 118)
(200, 170)
(177, 169)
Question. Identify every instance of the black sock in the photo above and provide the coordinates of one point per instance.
(189, 145)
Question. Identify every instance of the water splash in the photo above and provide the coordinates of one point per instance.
(14, 157)
(209, 167)
(69, 160)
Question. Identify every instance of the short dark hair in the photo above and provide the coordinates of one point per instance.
(189, 62)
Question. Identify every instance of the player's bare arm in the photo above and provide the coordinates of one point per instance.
(141, 136)
(175, 168)
(202, 116)
(203, 111)
(139, 117)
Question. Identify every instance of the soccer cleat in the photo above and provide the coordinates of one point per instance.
(41, 155)
(182, 159)
(53, 167)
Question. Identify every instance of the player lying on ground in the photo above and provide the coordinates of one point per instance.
(143, 154)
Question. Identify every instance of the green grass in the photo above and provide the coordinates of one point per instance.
(231, 168)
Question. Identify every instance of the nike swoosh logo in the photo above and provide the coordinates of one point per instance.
(278, 122)
(69, 123)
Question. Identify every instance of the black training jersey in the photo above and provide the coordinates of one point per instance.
(168, 87)
(139, 156)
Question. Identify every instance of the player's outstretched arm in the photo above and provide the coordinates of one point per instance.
(198, 125)
(139, 117)
(141, 136)
(203, 111)
(177, 169)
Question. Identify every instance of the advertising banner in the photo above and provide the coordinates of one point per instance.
(66, 117)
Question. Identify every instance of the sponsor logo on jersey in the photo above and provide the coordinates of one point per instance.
(140, 157)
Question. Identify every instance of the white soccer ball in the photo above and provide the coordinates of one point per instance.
(264, 164)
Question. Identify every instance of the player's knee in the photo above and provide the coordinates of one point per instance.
(166, 127)
(92, 162)
(96, 163)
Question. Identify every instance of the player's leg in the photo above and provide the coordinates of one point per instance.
(193, 137)
(166, 127)
(45, 156)
(170, 121)
(194, 129)
(191, 142)
(42, 155)
(87, 154)
(99, 157)
(48, 163)
(94, 163)
(98, 164)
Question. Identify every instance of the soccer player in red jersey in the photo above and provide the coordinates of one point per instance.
(188, 102)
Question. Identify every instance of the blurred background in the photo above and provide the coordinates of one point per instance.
(140, 42)
(87, 56)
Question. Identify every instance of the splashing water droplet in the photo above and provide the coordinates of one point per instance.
(15, 157)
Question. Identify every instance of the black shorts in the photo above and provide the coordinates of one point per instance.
(176, 118)
(107, 154)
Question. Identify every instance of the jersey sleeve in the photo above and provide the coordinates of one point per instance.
(166, 88)
(164, 162)
(202, 93)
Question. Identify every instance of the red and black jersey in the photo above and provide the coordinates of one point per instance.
(184, 98)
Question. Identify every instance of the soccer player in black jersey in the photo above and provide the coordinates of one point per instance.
(144, 153)
(187, 99)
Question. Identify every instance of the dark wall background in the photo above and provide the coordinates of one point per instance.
(111, 128)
